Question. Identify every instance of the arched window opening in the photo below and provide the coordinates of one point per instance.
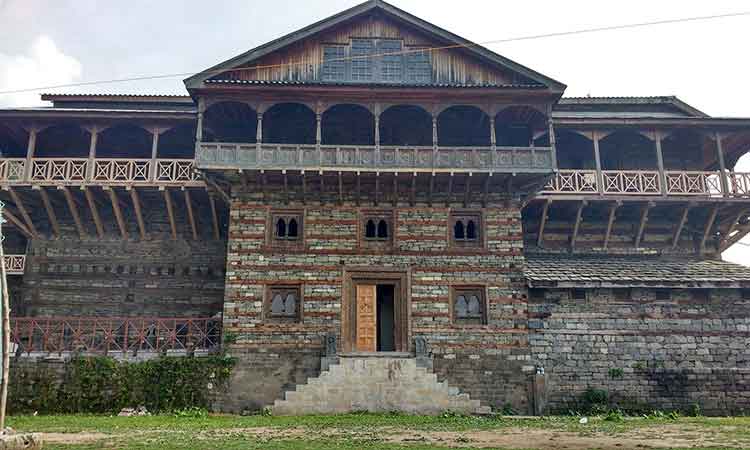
(460, 126)
(13, 142)
(468, 306)
(370, 229)
(281, 228)
(63, 141)
(471, 230)
(292, 228)
(124, 141)
(473, 307)
(284, 303)
(348, 125)
(277, 305)
(462, 307)
(458, 230)
(406, 125)
(627, 150)
(515, 126)
(289, 123)
(290, 305)
(574, 151)
(177, 142)
(230, 122)
(382, 229)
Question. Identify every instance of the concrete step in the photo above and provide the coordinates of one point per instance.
(376, 384)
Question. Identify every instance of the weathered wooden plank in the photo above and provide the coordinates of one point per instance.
(191, 216)
(73, 211)
(50, 211)
(94, 212)
(24, 213)
(118, 213)
(138, 215)
(170, 213)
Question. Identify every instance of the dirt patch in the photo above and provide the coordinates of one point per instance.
(73, 438)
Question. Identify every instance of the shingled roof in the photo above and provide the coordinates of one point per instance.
(632, 271)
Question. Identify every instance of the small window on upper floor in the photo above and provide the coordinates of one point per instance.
(466, 229)
(622, 294)
(537, 294)
(377, 227)
(663, 294)
(745, 294)
(578, 294)
(283, 303)
(703, 295)
(286, 227)
(469, 306)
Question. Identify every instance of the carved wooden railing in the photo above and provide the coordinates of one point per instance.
(703, 183)
(574, 182)
(739, 184)
(638, 182)
(348, 157)
(99, 171)
(103, 335)
(15, 264)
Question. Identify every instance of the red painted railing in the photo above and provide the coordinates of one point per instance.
(103, 335)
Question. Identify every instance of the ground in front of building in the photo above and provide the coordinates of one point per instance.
(369, 431)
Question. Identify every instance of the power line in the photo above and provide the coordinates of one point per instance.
(414, 50)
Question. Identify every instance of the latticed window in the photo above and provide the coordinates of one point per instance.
(284, 303)
(469, 306)
(334, 63)
(390, 60)
(362, 59)
(377, 229)
(418, 66)
(466, 230)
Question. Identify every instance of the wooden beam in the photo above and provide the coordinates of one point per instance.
(395, 189)
(263, 185)
(742, 231)
(24, 213)
(377, 188)
(15, 221)
(733, 225)
(191, 217)
(680, 225)
(214, 217)
(94, 211)
(486, 191)
(304, 187)
(709, 226)
(432, 190)
(118, 213)
(138, 215)
(413, 194)
(227, 199)
(322, 187)
(642, 224)
(341, 188)
(50, 211)
(577, 226)
(611, 222)
(542, 224)
(467, 189)
(170, 213)
(286, 187)
(449, 194)
(73, 210)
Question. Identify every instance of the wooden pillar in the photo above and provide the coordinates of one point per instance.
(707, 229)
(30, 149)
(91, 169)
(154, 153)
(660, 163)
(493, 133)
(434, 142)
(259, 130)
(722, 165)
(319, 136)
(552, 140)
(377, 135)
(199, 127)
(598, 161)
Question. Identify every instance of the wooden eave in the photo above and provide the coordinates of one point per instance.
(697, 284)
(438, 34)
(118, 114)
(729, 124)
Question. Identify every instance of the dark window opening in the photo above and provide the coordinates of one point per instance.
(287, 227)
(230, 122)
(578, 294)
(622, 293)
(292, 229)
(370, 229)
(406, 125)
(471, 230)
(745, 294)
(281, 228)
(463, 126)
(458, 230)
(468, 306)
(466, 231)
(537, 294)
(703, 295)
(663, 294)
(382, 229)
(289, 123)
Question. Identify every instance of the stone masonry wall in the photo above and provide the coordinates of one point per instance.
(488, 361)
(693, 349)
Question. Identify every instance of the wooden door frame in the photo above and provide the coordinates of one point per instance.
(398, 277)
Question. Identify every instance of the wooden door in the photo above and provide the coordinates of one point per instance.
(366, 318)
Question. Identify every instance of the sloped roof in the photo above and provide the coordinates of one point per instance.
(429, 29)
(658, 106)
(631, 271)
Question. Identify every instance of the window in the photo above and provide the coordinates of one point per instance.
(287, 227)
(703, 295)
(334, 63)
(376, 228)
(418, 66)
(745, 294)
(537, 293)
(283, 303)
(390, 61)
(663, 294)
(469, 306)
(578, 294)
(362, 59)
(466, 230)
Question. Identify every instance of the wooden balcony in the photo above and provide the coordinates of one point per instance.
(99, 171)
(706, 184)
(374, 158)
(111, 335)
(15, 264)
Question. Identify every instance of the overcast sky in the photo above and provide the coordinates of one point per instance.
(48, 42)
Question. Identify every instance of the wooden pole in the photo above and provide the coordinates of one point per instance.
(5, 337)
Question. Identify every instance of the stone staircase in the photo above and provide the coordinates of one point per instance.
(376, 384)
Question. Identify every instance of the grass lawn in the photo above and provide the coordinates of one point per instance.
(382, 431)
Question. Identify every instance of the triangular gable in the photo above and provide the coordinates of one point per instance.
(286, 59)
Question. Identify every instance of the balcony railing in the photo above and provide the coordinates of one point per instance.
(99, 171)
(648, 182)
(15, 264)
(347, 157)
(106, 335)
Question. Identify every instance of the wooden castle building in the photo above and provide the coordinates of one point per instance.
(373, 213)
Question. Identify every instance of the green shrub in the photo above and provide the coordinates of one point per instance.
(105, 385)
